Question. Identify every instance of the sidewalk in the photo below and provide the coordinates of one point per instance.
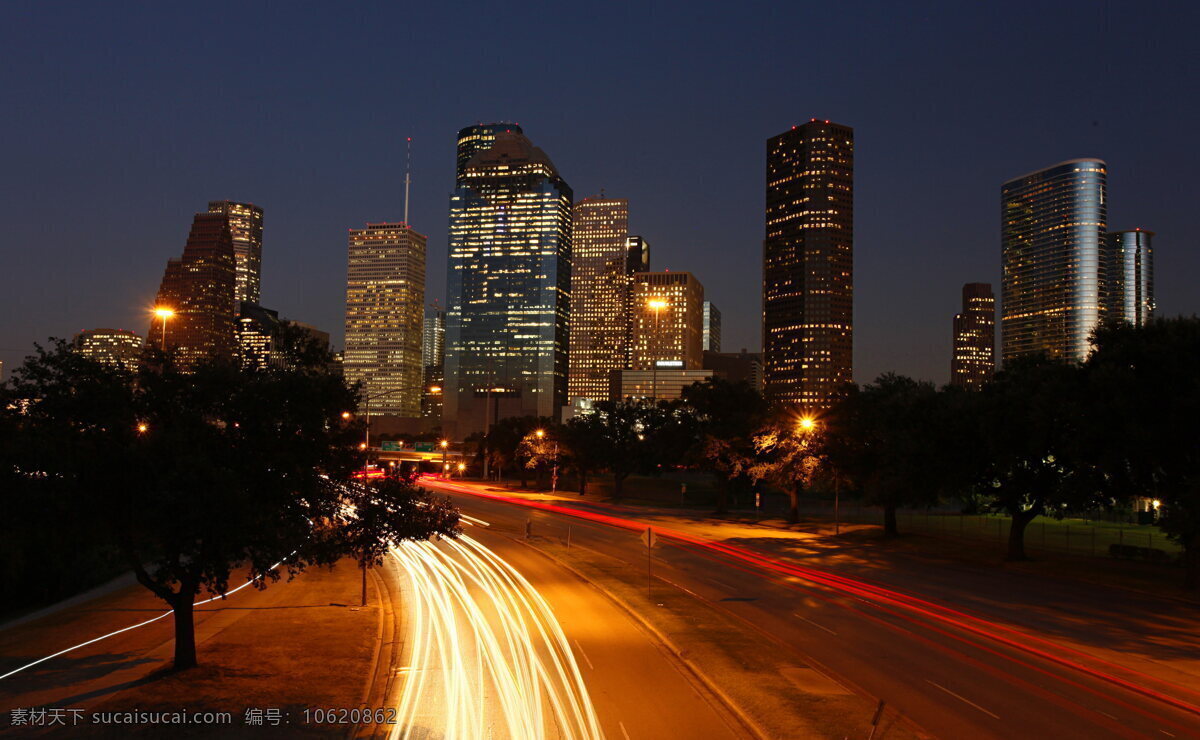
(295, 646)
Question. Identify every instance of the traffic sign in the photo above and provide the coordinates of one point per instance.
(649, 539)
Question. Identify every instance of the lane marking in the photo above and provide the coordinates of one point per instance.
(585, 655)
(963, 699)
(1106, 714)
(818, 626)
(623, 731)
(1166, 733)
(725, 586)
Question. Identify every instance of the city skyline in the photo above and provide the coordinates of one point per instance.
(904, 289)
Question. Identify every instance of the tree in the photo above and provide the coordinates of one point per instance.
(582, 439)
(539, 450)
(726, 416)
(1033, 460)
(1144, 422)
(890, 440)
(193, 474)
(504, 442)
(624, 428)
(789, 451)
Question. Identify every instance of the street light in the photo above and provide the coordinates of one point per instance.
(806, 425)
(163, 313)
(346, 415)
(445, 445)
(143, 428)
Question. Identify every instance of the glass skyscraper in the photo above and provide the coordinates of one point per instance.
(508, 285)
(1129, 276)
(246, 227)
(974, 360)
(1053, 237)
(808, 264)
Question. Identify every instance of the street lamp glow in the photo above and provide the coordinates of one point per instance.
(807, 423)
(656, 304)
(462, 467)
(163, 313)
(362, 445)
(143, 427)
(540, 433)
(346, 414)
(445, 443)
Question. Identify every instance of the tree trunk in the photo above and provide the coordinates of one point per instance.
(1016, 534)
(793, 505)
(582, 483)
(363, 566)
(889, 521)
(185, 630)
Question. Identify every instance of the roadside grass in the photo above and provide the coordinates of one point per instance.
(313, 650)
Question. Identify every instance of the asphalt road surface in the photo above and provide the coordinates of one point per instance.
(954, 676)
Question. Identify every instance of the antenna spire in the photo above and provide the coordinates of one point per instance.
(407, 179)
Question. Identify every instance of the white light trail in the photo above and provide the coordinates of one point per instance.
(501, 655)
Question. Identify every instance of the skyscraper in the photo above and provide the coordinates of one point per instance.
(110, 346)
(808, 264)
(433, 336)
(712, 327)
(257, 333)
(1053, 226)
(509, 278)
(1129, 276)
(198, 288)
(246, 227)
(478, 138)
(385, 300)
(668, 321)
(601, 265)
(974, 359)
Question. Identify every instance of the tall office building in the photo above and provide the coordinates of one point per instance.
(110, 346)
(667, 315)
(385, 302)
(712, 327)
(509, 279)
(1053, 225)
(600, 287)
(808, 264)
(257, 336)
(478, 138)
(198, 287)
(246, 227)
(1129, 276)
(433, 336)
(974, 359)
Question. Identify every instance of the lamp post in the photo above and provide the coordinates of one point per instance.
(656, 305)
(163, 313)
(807, 425)
(366, 445)
(445, 444)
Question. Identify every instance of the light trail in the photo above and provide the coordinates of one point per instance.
(487, 655)
(1006, 635)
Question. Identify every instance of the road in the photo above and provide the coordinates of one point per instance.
(502, 641)
(953, 674)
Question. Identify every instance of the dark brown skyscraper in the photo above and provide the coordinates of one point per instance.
(808, 264)
(974, 360)
(198, 289)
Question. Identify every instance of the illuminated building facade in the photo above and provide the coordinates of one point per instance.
(198, 287)
(246, 228)
(110, 346)
(1129, 276)
(974, 360)
(600, 291)
(257, 332)
(1053, 239)
(808, 264)
(385, 301)
(433, 337)
(712, 327)
(508, 283)
(663, 384)
(478, 138)
(667, 316)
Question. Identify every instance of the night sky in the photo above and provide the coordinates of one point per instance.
(121, 120)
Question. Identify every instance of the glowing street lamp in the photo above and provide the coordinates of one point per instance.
(346, 415)
(806, 424)
(162, 313)
(143, 428)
